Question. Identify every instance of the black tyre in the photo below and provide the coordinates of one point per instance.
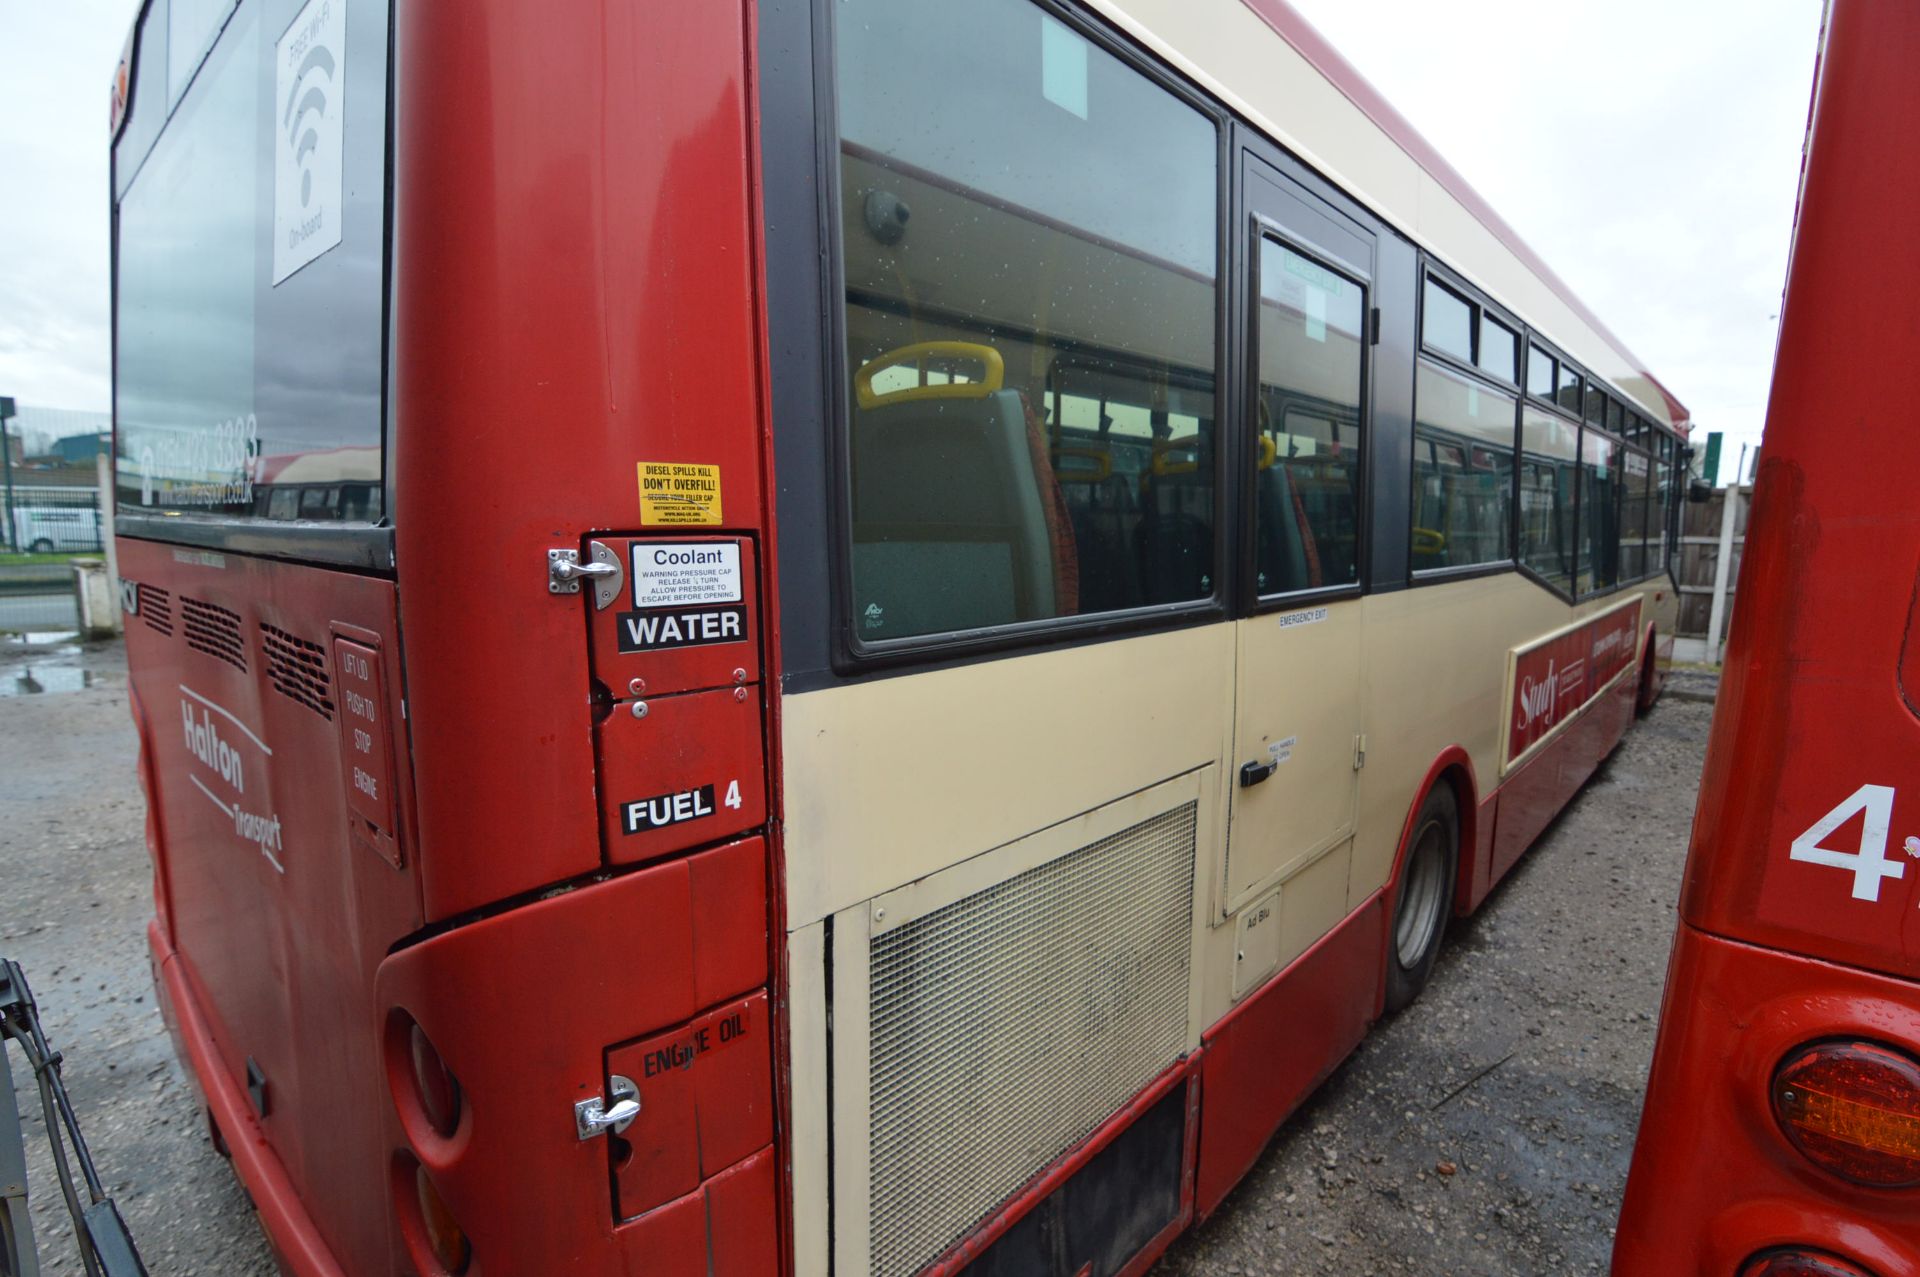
(1424, 900)
(1649, 693)
(42, 546)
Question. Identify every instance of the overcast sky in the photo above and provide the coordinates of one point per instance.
(1649, 149)
(56, 66)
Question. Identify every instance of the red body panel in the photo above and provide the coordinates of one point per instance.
(563, 314)
(1542, 786)
(562, 298)
(1811, 705)
(1713, 1179)
(565, 979)
(688, 772)
(279, 909)
(1264, 1057)
(1801, 909)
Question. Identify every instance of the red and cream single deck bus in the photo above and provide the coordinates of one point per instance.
(1781, 1131)
(850, 637)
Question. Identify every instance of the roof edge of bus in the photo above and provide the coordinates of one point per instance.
(1306, 40)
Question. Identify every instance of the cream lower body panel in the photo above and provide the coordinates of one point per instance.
(907, 794)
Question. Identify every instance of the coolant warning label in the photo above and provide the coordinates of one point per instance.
(674, 494)
(685, 573)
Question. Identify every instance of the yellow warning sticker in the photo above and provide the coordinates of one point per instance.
(673, 494)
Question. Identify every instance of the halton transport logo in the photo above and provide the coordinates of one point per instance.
(227, 753)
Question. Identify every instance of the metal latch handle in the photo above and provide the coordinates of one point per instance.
(596, 1117)
(565, 572)
(1252, 774)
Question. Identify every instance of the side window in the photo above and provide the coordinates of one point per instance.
(1567, 393)
(1462, 471)
(1446, 321)
(1539, 373)
(1599, 535)
(1030, 345)
(1498, 347)
(1636, 472)
(1310, 339)
(1549, 471)
(1663, 507)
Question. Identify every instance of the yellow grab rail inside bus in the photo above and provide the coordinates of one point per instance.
(1428, 541)
(1182, 455)
(1176, 456)
(1098, 465)
(993, 373)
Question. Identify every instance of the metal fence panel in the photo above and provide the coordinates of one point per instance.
(52, 519)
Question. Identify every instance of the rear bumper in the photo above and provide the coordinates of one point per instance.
(295, 1240)
(1713, 1180)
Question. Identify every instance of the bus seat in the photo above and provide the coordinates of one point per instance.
(950, 527)
(1175, 536)
(1103, 515)
(1285, 547)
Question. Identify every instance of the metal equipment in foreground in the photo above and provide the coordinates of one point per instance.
(106, 1248)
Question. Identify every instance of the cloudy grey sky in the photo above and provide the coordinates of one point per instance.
(1649, 149)
(56, 66)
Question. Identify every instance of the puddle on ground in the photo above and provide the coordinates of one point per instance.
(51, 664)
(52, 638)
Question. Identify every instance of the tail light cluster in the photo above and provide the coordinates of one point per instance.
(432, 1108)
(1800, 1263)
(1853, 1109)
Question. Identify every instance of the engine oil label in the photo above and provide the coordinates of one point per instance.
(674, 494)
(685, 574)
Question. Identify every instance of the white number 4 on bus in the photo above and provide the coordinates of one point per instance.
(1869, 863)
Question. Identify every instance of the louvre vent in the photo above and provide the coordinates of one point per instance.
(215, 631)
(1008, 1025)
(156, 608)
(298, 670)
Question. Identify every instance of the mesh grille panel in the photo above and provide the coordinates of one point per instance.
(1008, 1025)
(156, 608)
(214, 630)
(298, 669)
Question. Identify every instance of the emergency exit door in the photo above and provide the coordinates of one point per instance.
(1297, 718)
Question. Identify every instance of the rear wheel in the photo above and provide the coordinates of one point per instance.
(1425, 898)
(1649, 689)
(42, 546)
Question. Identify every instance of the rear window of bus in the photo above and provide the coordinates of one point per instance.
(249, 370)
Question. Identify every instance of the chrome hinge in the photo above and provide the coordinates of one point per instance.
(565, 571)
(1359, 752)
(597, 1117)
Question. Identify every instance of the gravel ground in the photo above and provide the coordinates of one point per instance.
(1485, 1131)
